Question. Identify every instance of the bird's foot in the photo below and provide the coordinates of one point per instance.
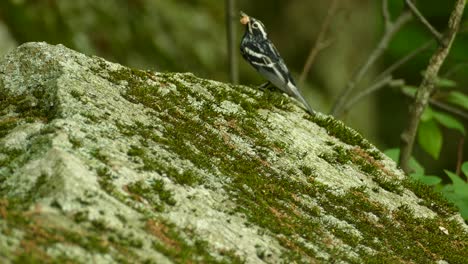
(265, 85)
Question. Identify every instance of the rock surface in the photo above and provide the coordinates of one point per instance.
(100, 163)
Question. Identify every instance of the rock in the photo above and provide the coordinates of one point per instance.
(100, 163)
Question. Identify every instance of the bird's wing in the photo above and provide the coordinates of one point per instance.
(266, 59)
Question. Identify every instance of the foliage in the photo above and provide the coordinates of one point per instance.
(162, 35)
(456, 191)
(430, 136)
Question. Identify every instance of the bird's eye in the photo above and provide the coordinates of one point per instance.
(255, 25)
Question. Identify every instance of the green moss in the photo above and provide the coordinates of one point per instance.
(244, 170)
(390, 185)
(366, 164)
(339, 130)
(38, 105)
(367, 167)
(76, 142)
(268, 198)
(105, 179)
(136, 151)
(181, 128)
(98, 154)
(340, 155)
(91, 243)
(307, 171)
(39, 235)
(91, 117)
(126, 241)
(7, 124)
(179, 250)
(430, 197)
(80, 217)
(389, 229)
(153, 192)
(186, 177)
(269, 203)
(372, 168)
(76, 94)
(165, 195)
(10, 156)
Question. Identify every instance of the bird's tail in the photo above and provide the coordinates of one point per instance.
(296, 94)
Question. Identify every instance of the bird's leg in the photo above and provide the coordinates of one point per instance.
(265, 85)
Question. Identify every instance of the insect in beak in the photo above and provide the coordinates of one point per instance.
(245, 19)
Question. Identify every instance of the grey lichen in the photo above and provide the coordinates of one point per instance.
(100, 162)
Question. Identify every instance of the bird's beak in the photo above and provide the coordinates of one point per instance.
(245, 19)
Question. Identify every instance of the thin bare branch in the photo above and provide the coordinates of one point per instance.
(231, 41)
(386, 14)
(448, 108)
(385, 77)
(388, 35)
(455, 69)
(443, 106)
(423, 21)
(427, 85)
(320, 43)
(461, 143)
(376, 86)
(405, 59)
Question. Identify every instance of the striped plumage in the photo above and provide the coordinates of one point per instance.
(260, 52)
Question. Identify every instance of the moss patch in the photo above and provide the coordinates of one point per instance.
(39, 234)
(271, 199)
(176, 248)
(431, 198)
(153, 192)
(204, 134)
(347, 135)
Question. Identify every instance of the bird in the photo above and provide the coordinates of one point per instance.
(260, 52)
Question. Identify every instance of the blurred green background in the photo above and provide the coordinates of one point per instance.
(190, 36)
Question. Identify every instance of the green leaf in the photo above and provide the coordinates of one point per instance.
(448, 121)
(464, 168)
(430, 180)
(457, 192)
(430, 138)
(464, 211)
(458, 98)
(394, 154)
(409, 90)
(445, 83)
(427, 114)
(457, 181)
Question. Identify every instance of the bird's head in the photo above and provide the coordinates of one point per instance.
(253, 27)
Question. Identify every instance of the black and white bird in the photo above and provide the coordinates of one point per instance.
(260, 52)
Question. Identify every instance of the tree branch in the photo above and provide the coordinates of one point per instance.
(391, 28)
(385, 77)
(461, 143)
(376, 86)
(386, 14)
(320, 43)
(405, 59)
(428, 84)
(443, 106)
(231, 39)
(423, 21)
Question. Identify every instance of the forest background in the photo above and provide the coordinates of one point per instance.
(191, 36)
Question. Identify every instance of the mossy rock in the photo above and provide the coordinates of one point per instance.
(102, 163)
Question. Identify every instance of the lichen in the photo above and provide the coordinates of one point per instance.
(230, 160)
